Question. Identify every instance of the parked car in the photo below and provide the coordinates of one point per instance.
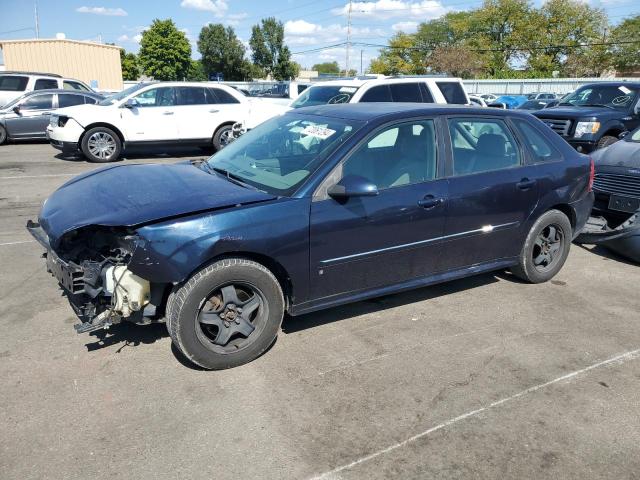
(488, 97)
(541, 96)
(418, 89)
(159, 113)
(508, 102)
(595, 115)
(615, 221)
(477, 101)
(27, 117)
(312, 209)
(557, 100)
(533, 105)
(15, 84)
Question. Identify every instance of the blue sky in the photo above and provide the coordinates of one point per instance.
(308, 24)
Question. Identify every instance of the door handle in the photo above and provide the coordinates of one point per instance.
(214, 111)
(46, 113)
(167, 113)
(525, 184)
(429, 201)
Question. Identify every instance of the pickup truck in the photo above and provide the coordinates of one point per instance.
(595, 115)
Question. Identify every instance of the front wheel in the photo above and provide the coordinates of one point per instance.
(605, 141)
(227, 314)
(223, 137)
(545, 249)
(101, 144)
(3, 135)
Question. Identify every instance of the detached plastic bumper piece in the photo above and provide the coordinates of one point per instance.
(623, 240)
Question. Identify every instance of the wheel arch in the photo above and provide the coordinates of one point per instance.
(102, 124)
(223, 124)
(568, 211)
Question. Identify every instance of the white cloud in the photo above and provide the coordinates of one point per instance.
(129, 39)
(303, 33)
(111, 12)
(300, 27)
(406, 27)
(386, 9)
(218, 7)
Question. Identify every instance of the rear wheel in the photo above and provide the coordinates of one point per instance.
(546, 248)
(101, 144)
(223, 137)
(3, 135)
(227, 314)
(606, 141)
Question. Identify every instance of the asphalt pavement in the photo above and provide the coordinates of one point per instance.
(482, 378)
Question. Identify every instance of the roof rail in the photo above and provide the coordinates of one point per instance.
(31, 73)
(435, 75)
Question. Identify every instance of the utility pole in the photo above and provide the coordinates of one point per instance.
(35, 12)
(346, 70)
(361, 70)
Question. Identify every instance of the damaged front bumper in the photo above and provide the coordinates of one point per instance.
(101, 293)
(623, 240)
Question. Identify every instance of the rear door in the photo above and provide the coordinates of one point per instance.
(32, 119)
(492, 192)
(368, 242)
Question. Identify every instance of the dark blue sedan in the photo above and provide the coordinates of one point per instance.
(313, 209)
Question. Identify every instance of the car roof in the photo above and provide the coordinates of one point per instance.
(392, 110)
(611, 84)
(61, 90)
(358, 82)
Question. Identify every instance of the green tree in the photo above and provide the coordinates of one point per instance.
(196, 72)
(269, 52)
(222, 51)
(401, 57)
(626, 56)
(327, 67)
(129, 64)
(165, 52)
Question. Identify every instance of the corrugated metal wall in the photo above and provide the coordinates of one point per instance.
(82, 60)
(522, 87)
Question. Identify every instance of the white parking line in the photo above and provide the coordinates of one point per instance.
(16, 243)
(41, 176)
(631, 355)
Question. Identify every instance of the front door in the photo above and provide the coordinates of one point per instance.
(33, 117)
(491, 193)
(367, 242)
(153, 118)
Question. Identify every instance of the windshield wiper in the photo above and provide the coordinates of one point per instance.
(597, 105)
(231, 177)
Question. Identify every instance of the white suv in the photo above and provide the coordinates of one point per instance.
(150, 113)
(16, 84)
(417, 89)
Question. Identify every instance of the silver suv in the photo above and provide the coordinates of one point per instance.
(15, 84)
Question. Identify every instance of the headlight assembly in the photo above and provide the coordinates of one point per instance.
(586, 128)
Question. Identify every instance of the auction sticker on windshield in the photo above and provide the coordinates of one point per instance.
(318, 132)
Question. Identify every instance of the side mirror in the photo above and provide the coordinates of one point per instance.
(131, 103)
(16, 109)
(623, 134)
(352, 186)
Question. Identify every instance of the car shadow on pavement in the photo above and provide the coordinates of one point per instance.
(127, 334)
(607, 254)
(378, 304)
(146, 153)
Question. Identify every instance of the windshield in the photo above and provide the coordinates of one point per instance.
(634, 136)
(322, 95)
(111, 99)
(278, 155)
(612, 96)
(13, 102)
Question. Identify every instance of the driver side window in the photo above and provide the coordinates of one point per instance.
(398, 155)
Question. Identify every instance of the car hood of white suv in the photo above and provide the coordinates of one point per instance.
(85, 114)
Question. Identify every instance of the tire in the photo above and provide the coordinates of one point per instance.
(540, 259)
(227, 314)
(3, 135)
(222, 137)
(101, 145)
(605, 141)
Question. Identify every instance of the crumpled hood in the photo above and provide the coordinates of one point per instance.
(620, 154)
(578, 112)
(128, 195)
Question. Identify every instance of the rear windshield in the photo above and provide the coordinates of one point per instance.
(322, 95)
(452, 92)
(13, 83)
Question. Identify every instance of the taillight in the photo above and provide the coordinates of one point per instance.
(592, 174)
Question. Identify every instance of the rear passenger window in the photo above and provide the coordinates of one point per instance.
(452, 92)
(399, 155)
(217, 95)
(69, 85)
(45, 83)
(190, 96)
(481, 145)
(65, 100)
(380, 93)
(406, 92)
(541, 148)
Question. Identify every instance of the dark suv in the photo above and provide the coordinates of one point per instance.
(595, 115)
(313, 209)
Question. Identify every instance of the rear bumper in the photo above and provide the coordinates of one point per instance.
(582, 209)
(624, 240)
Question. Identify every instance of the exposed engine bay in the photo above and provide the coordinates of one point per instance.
(91, 264)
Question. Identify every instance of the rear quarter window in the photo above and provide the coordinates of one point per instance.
(406, 92)
(379, 93)
(452, 92)
(13, 83)
(541, 148)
